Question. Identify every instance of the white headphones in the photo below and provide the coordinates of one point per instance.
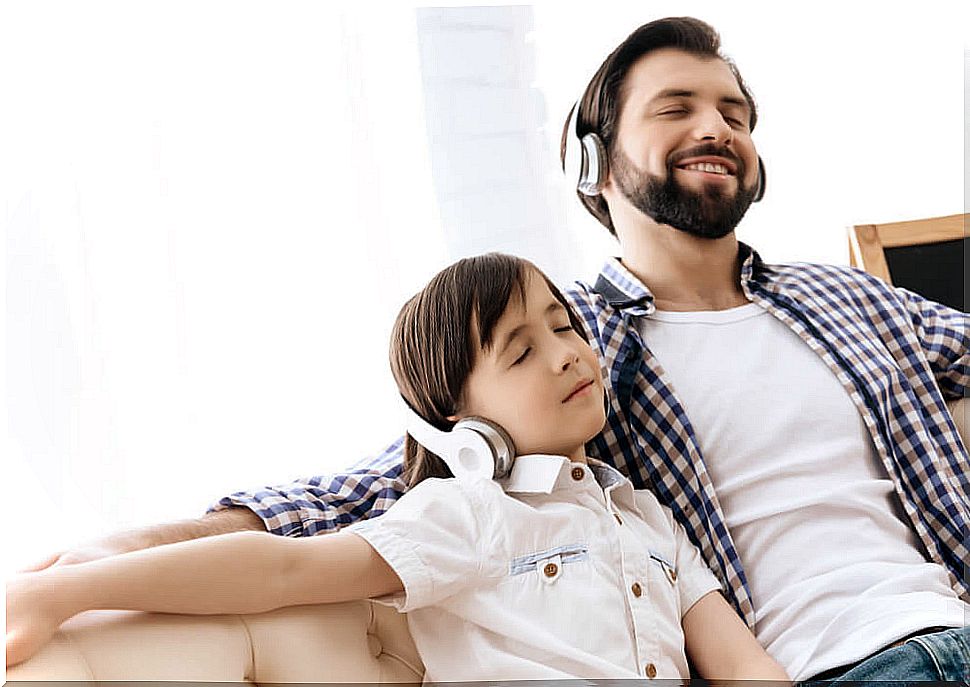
(588, 163)
(474, 448)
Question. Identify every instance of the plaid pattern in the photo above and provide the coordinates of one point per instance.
(896, 354)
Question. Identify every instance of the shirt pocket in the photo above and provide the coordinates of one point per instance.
(549, 564)
(668, 568)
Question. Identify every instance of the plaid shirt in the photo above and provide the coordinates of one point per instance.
(896, 354)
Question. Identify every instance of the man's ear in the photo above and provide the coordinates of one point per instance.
(607, 189)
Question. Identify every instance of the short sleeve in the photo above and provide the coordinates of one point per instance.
(694, 577)
(431, 539)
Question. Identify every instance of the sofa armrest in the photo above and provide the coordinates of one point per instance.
(358, 641)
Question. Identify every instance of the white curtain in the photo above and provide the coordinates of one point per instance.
(213, 212)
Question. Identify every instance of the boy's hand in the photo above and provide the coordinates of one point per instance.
(33, 615)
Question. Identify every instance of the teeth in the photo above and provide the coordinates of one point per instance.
(708, 167)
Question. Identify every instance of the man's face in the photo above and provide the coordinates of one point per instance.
(683, 153)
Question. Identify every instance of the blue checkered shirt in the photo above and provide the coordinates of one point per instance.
(897, 355)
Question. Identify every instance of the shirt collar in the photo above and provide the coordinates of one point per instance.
(624, 291)
(539, 474)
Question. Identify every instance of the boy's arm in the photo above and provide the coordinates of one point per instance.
(721, 647)
(243, 572)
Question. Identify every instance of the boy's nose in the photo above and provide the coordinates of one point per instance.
(569, 358)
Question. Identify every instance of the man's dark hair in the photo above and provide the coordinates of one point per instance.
(437, 336)
(604, 97)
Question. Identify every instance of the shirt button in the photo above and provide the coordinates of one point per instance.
(650, 670)
(618, 521)
(550, 570)
(577, 473)
(637, 589)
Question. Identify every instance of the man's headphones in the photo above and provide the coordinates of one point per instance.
(474, 448)
(586, 160)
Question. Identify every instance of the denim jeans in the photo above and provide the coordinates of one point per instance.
(941, 656)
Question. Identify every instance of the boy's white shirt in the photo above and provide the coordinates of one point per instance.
(536, 576)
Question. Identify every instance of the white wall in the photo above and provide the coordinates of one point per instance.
(191, 192)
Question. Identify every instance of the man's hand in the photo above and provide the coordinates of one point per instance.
(112, 545)
(220, 522)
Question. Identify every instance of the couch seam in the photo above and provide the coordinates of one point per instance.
(249, 675)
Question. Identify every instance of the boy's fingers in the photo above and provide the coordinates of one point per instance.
(16, 649)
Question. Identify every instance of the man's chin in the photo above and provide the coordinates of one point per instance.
(711, 212)
(707, 232)
(706, 221)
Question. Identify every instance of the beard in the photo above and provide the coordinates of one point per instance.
(709, 213)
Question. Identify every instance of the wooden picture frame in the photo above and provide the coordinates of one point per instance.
(868, 242)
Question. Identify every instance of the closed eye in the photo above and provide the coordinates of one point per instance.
(521, 358)
(563, 330)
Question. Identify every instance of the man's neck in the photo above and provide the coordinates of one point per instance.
(684, 273)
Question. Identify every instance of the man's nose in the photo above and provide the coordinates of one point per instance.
(711, 126)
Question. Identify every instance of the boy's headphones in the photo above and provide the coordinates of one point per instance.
(586, 160)
(475, 447)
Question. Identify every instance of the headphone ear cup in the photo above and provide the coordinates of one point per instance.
(594, 165)
(762, 182)
(464, 450)
(498, 440)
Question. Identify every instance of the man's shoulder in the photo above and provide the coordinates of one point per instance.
(826, 277)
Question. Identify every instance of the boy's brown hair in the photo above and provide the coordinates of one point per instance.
(438, 334)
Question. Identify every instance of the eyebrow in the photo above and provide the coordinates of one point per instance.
(681, 93)
(507, 340)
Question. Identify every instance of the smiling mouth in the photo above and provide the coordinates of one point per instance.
(708, 168)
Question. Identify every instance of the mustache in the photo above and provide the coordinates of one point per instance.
(706, 149)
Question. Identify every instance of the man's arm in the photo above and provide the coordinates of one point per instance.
(212, 523)
(302, 508)
(944, 335)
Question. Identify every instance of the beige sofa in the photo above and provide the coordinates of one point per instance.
(349, 642)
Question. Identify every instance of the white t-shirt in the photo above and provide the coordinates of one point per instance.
(834, 569)
(560, 570)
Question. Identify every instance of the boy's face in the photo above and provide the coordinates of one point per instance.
(683, 154)
(539, 379)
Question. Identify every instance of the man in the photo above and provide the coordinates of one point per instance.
(791, 416)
